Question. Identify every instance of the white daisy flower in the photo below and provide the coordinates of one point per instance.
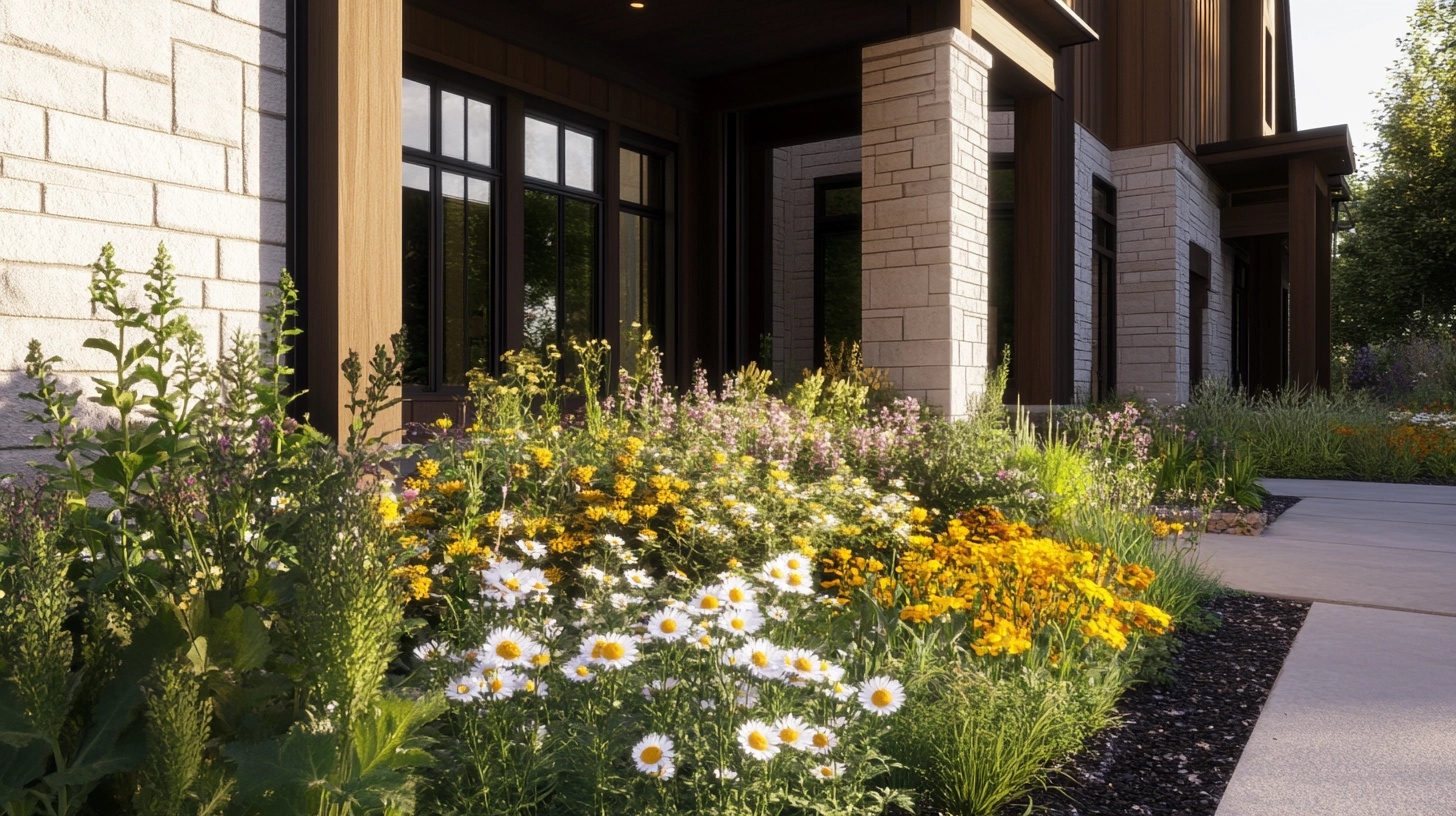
(777, 613)
(627, 557)
(578, 670)
(822, 741)
(653, 753)
(678, 575)
(613, 541)
(758, 740)
(500, 683)
(669, 624)
(726, 774)
(804, 664)
(881, 695)
(666, 771)
(793, 732)
(829, 771)
(737, 592)
(430, 650)
(610, 651)
(509, 646)
(762, 658)
(533, 579)
(839, 690)
(658, 686)
(621, 600)
(744, 621)
(594, 573)
(638, 578)
(798, 583)
(465, 688)
(533, 550)
(708, 601)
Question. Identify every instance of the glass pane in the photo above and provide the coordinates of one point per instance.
(542, 150)
(416, 177)
(842, 201)
(479, 266)
(416, 114)
(581, 161)
(841, 292)
(1003, 185)
(477, 142)
(641, 281)
(452, 297)
(579, 246)
(630, 189)
(542, 269)
(452, 125)
(1001, 322)
(416, 282)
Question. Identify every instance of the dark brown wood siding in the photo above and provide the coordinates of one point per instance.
(479, 53)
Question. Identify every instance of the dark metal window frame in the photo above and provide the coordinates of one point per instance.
(438, 164)
(824, 226)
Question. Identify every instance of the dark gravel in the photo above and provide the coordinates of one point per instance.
(1275, 506)
(1177, 745)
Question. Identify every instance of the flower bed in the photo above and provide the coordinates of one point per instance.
(747, 599)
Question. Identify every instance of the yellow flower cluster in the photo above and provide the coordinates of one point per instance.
(1011, 583)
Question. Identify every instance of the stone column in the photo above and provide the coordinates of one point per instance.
(925, 169)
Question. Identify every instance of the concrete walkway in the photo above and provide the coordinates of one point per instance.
(1362, 720)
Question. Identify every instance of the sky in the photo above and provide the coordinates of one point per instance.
(1342, 51)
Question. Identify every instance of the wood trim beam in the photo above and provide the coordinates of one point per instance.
(1254, 219)
(354, 65)
(987, 23)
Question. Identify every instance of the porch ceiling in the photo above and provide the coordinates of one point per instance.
(697, 40)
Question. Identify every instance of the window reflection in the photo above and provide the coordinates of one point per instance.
(416, 115)
(452, 125)
(542, 150)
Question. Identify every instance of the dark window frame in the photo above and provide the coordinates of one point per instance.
(439, 164)
(824, 226)
(660, 318)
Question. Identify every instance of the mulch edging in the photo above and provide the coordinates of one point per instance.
(1176, 748)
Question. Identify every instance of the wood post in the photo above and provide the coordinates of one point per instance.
(1306, 190)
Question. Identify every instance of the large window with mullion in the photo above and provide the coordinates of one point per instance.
(642, 249)
(563, 224)
(451, 224)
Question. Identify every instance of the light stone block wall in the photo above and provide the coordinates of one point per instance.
(1165, 201)
(1093, 159)
(796, 170)
(925, 153)
(134, 122)
(1003, 131)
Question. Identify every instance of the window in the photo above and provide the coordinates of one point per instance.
(1104, 289)
(1001, 249)
(450, 235)
(507, 210)
(563, 214)
(1268, 78)
(642, 265)
(838, 282)
(1200, 273)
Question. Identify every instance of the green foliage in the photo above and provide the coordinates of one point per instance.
(975, 744)
(1393, 273)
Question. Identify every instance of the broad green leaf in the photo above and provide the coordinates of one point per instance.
(101, 344)
(240, 640)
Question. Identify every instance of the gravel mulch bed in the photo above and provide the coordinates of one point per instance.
(1274, 506)
(1177, 745)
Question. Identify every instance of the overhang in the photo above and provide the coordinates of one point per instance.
(1263, 162)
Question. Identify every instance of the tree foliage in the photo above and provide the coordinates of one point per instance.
(1397, 270)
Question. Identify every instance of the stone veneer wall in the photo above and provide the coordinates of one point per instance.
(134, 122)
(925, 155)
(1093, 159)
(795, 171)
(1165, 201)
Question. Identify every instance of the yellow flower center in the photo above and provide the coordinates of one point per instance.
(542, 659)
(788, 735)
(795, 579)
(821, 741)
(462, 689)
(668, 626)
(496, 684)
(708, 602)
(760, 659)
(757, 741)
(508, 650)
(826, 771)
(583, 671)
(651, 755)
(613, 650)
(706, 640)
(512, 584)
(738, 623)
(803, 664)
(793, 563)
(737, 595)
(882, 698)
